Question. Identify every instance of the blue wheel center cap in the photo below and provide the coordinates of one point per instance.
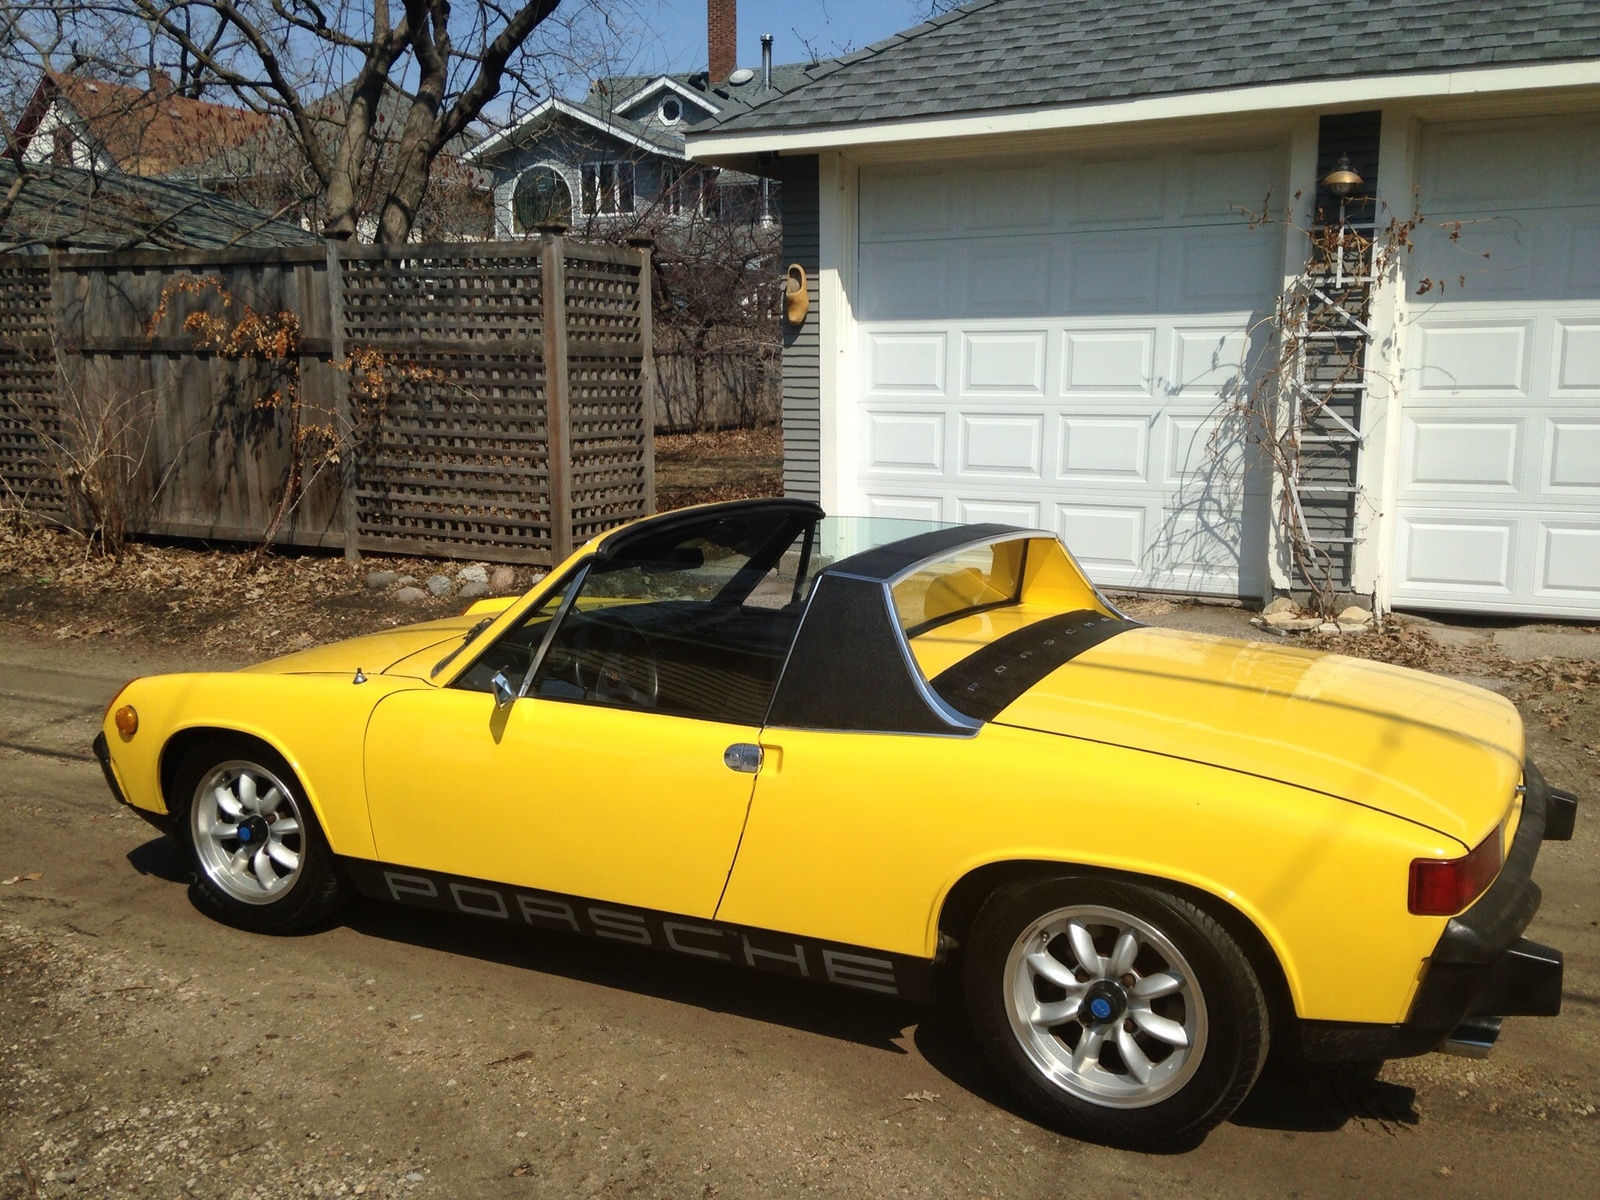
(1105, 1003)
(252, 829)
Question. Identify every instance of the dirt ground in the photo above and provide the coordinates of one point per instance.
(146, 1051)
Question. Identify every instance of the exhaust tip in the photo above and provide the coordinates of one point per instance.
(1473, 1038)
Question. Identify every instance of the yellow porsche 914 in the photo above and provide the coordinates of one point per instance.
(886, 754)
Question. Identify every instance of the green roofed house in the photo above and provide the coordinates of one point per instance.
(1062, 273)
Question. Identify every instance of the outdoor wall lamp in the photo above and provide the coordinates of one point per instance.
(1342, 181)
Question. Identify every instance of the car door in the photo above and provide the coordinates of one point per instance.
(611, 803)
(618, 761)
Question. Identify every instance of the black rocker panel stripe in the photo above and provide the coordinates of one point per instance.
(837, 963)
(984, 683)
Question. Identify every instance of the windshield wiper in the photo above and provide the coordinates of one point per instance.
(462, 645)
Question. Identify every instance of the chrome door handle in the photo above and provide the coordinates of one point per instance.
(742, 757)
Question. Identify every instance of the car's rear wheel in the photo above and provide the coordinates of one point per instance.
(1119, 1012)
(260, 859)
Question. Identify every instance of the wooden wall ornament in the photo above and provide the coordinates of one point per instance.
(796, 297)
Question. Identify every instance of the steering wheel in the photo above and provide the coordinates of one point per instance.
(615, 663)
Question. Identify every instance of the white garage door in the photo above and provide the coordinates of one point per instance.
(1499, 503)
(1061, 344)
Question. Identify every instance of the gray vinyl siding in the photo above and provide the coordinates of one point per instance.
(802, 403)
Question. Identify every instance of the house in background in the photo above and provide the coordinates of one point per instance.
(615, 160)
(1048, 244)
(69, 208)
(96, 124)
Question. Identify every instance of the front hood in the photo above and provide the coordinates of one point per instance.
(377, 652)
(1443, 754)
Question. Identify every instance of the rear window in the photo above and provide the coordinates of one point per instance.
(970, 580)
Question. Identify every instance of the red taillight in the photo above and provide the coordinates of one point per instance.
(1442, 887)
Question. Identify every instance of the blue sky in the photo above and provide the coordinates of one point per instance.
(677, 39)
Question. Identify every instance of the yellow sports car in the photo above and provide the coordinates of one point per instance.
(881, 753)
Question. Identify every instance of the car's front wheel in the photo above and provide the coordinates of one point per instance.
(1119, 1012)
(260, 859)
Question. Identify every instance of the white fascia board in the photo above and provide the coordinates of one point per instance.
(505, 135)
(577, 114)
(1322, 93)
(667, 83)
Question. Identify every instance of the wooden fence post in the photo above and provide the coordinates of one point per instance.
(344, 415)
(647, 367)
(558, 413)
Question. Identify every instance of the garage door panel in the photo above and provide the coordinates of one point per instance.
(1108, 540)
(1227, 270)
(1000, 512)
(1112, 274)
(1476, 167)
(1475, 257)
(1459, 454)
(1450, 553)
(1206, 361)
(905, 508)
(906, 363)
(1006, 278)
(1572, 462)
(1217, 185)
(1008, 362)
(1569, 561)
(1577, 365)
(1104, 448)
(1196, 546)
(1122, 189)
(1001, 444)
(905, 202)
(1583, 259)
(1471, 357)
(1099, 362)
(906, 442)
(1009, 198)
(904, 281)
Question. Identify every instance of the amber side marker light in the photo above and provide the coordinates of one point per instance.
(1442, 887)
(127, 720)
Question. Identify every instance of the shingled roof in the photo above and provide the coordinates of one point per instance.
(1014, 54)
(143, 131)
(71, 209)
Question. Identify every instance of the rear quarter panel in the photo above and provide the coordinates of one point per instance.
(859, 838)
(316, 722)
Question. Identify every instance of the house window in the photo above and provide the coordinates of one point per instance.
(607, 188)
(541, 197)
(671, 110)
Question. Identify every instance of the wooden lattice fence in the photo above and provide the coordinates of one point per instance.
(514, 423)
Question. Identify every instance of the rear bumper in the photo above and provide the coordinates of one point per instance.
(1483, 968)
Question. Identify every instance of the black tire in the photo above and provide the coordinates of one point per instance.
(294, 896)
(1020, 958)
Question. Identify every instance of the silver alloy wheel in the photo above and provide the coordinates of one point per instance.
(1105, 1006)
(247, 833)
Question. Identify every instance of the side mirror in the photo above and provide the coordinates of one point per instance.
(504, 693)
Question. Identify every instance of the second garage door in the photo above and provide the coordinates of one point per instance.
(1067, 344)
(1499, 502)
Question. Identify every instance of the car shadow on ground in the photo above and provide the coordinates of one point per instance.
(868, 1020)
(1297, 1098)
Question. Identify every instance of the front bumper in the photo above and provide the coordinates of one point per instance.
(102, 754)
(1483, 969)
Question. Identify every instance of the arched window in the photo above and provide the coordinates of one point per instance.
(541, 196)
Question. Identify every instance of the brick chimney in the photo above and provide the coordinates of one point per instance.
(722, 38)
